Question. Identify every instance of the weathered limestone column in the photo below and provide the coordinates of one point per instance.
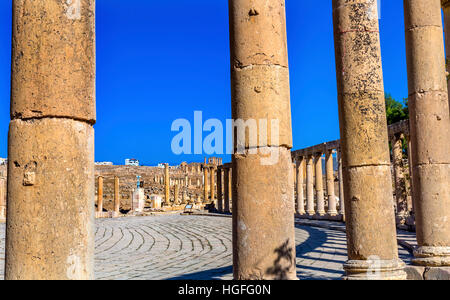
(227, 185)
(332, 211)
(319, 185)
(446, 9)
(370, 219)
(2, 199)
(51, 184)
(205, 184)
(116, 196)
(100, 194)
(300, 198)
(219, 190)
(212, 187)
(310, 210)
(263, 225)
(430, 130)
(341, 186)
(176, 191)
(166, 184)
(399, 178)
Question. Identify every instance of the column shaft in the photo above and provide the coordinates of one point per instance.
(227, 183)
(430, 130)
(399, 178)
(219, 190)
(319, 185)
(205, 184)
(300, 197)
(310, 210)
(100, 194)
(370, 219)
(341, 186)
(166, 184)
(332, 211)
(116, 195)
(212, 188)
(446, 10)
(51, 183)
(263, 225)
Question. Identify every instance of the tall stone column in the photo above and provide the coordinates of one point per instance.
(341, 186)
(116, 196)
(319, 185)
(310, 210)
(100, 194)
(370, 219)
(219, 190)
(332, 211)
(227, 183)
(51, 184)
(446, 9)
(176, 191)
(263, 225)
(430, 130)
(300, 198)
(2, 199)
(205, 184)
(399, 178)
(166, 184)
(212, 188)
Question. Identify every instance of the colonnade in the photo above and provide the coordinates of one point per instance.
(51, 141)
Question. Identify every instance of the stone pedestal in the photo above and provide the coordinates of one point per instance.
(370, 220)
(263, 224)
(51, 195)
(138, 200)
(430, 131)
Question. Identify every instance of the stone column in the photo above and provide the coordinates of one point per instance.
(399, 178)
(263, 225)
(370, 220)
(219, 190)
(51, 183)
(300, 198)
(319, 185)
(176, 191)
(446, 9)
(166, 184)
(430, 130)
(212, 185)
(310, 210)
(341, 186)
(2, 199)
(332, 211)
(116, 196)
(100, 194)
(227, 184)
(205, 184)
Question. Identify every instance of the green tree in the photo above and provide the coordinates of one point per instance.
(395, 111)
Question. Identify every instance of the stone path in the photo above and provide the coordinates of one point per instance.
(197, 247)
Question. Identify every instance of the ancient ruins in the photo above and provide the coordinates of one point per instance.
(362, 179)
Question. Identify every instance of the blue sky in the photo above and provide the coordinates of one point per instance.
(162, 60)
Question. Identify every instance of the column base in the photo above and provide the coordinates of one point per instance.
(321, 213)
(431, 256)
(374, 269)
(332, 213)
(311, 213)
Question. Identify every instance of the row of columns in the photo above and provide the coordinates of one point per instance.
(315, 206)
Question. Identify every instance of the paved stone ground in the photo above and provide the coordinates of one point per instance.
(197, 247)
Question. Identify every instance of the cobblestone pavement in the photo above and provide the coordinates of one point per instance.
(196, 247)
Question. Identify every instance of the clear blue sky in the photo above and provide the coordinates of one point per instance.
(162, 60)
